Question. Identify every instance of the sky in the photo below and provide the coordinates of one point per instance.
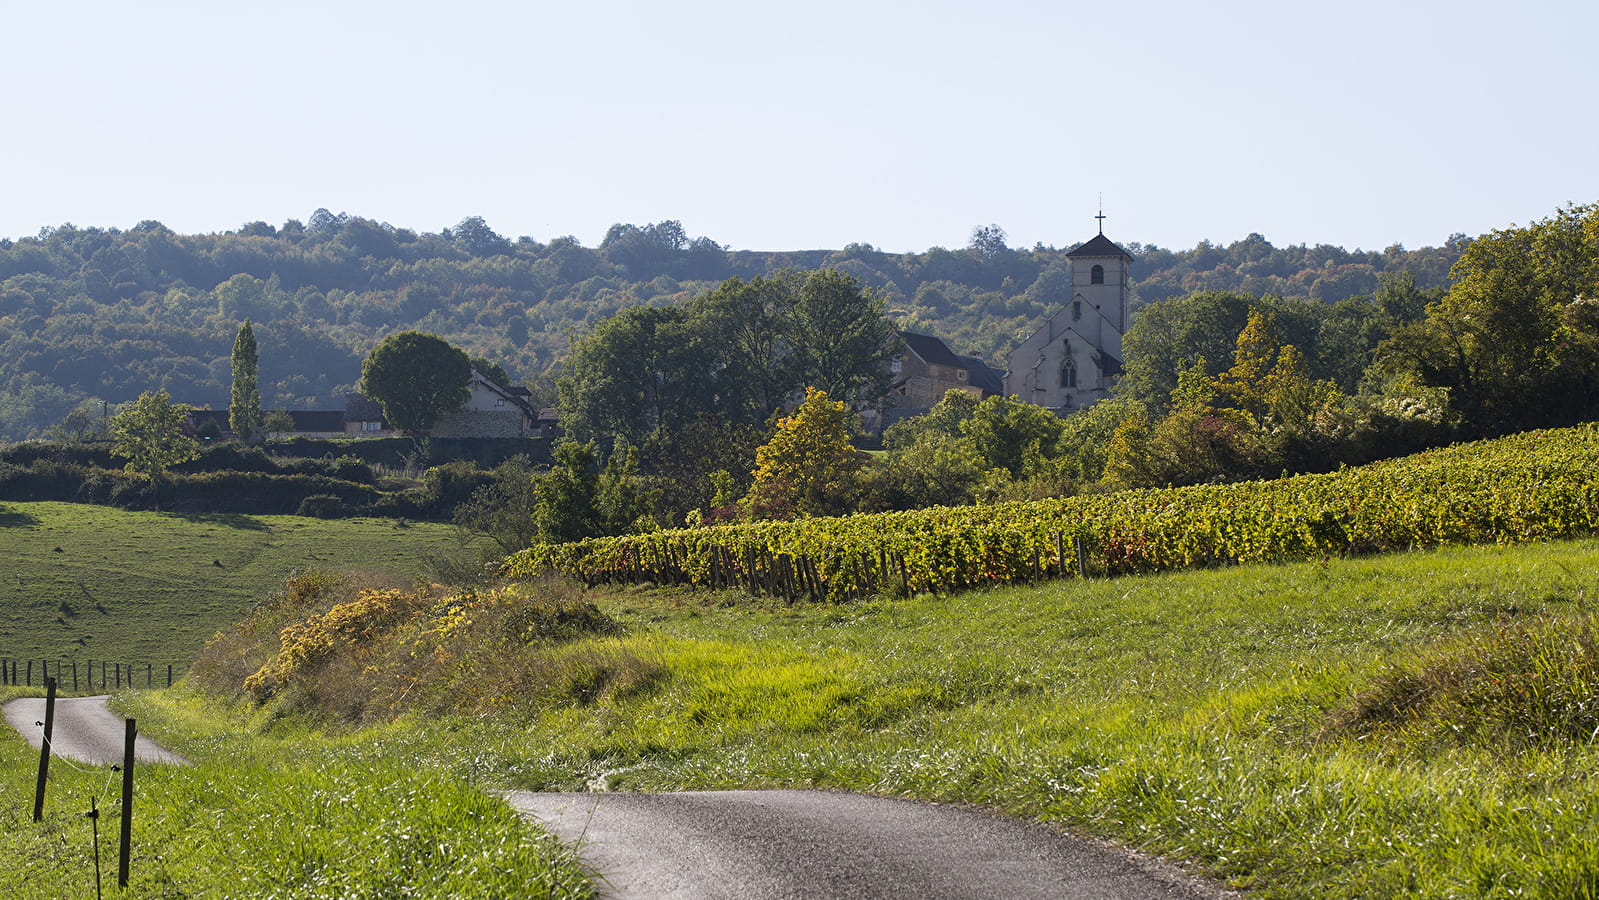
(807, 125)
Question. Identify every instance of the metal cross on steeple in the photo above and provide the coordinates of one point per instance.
(1101, 216)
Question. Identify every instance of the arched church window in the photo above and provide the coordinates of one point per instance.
(1077, 310)
(1096, 275)
(1068, 374)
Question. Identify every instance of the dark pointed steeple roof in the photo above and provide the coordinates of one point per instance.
(1099, 246)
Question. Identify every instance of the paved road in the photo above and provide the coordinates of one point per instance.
(759, 845)
(817, 844)
(84, 729)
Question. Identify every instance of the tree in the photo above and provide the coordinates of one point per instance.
(681, 463)
(566, 508)
(842, 342)
(1167, 337)
(418, 378)
(243, 297)
(988, 242)
(83, 423)
(244, 408)
(929, 468)
(1007, 434)
(749, 325)
(641, 370)
(623, 504)
(278, 420)
(1512, 341)
(491, 370)
(149, 435)
(808, 468)
(474, 236)
(505, 511)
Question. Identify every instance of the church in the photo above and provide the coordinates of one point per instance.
(1076, 357)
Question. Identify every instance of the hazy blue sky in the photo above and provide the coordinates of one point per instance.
(807, 125)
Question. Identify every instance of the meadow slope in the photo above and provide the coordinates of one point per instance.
(88, 582)
(1414, 724)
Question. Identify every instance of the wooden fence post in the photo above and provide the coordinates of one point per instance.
(44, 749)
(1082, 556)
(131, 735)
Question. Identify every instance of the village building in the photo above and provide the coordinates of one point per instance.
(1075, 358)
(492, 410)
(925, 372)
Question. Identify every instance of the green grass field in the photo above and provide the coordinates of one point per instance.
(86, 582)
(1410, 725)
(1421, 724)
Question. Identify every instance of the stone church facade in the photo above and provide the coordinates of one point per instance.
(1074, 359)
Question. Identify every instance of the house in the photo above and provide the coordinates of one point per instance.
(1075, 358)
(928, 370)
(491, 411)
(314, 423)
(363, 417)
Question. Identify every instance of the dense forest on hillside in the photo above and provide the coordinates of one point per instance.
(94, 314)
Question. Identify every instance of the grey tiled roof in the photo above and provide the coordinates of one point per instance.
(930, 349)
(1099, 246)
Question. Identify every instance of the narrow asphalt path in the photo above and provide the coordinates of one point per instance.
(760, 845)
(816, 844)
(84, 729)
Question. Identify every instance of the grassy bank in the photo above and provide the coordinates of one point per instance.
(91, 582)
(257, 818)
(1411, 725)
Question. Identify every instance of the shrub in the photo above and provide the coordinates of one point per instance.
(237, 653)
(352, 628)
(324, 506)
(314, 648)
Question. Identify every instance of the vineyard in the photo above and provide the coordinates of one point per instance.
(1527, 487)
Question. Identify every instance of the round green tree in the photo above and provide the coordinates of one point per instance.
(149, 435)
(418, 379)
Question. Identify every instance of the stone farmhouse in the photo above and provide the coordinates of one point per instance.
(926, 371)
(929, 369)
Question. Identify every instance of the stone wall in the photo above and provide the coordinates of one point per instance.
(484, 424)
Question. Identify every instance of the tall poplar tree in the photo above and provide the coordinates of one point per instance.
(244, 409)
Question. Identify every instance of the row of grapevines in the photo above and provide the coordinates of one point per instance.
(1526, 487)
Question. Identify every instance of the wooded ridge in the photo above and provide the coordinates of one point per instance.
(98, 315)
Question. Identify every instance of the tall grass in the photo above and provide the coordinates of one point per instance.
(256, 818)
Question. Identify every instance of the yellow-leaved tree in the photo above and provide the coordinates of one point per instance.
(808, 468)
(1253, 420)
